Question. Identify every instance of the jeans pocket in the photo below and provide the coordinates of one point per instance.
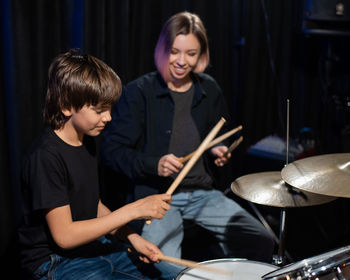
(55, 260)
(47, 269)
(42, 270)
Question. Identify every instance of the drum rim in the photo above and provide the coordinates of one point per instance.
(223, 261)
(305, 263)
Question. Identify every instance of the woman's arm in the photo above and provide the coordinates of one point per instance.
(125, 134)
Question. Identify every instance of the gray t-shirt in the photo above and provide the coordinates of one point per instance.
(185, 139)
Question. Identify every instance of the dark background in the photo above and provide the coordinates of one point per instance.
(263, 52)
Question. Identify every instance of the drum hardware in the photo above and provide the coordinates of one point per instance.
(280, 259)
(275, 238)
(333, 265)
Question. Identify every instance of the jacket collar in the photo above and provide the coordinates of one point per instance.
(199, 93)
(161, 87)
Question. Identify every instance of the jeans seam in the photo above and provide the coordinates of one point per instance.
(113, 270)
(55, 259)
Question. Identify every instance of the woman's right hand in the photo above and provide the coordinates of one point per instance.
(152, 207)
(168, 165)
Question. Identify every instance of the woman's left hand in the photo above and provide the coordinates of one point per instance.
(219, 153)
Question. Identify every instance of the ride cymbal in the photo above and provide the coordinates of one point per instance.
(268, 188)
(325, 174)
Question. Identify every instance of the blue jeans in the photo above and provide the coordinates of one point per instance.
(238, 233)
(117, 265)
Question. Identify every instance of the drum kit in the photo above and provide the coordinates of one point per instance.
(306, 182)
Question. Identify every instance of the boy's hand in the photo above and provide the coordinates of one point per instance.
(148, 251)
(152, 207)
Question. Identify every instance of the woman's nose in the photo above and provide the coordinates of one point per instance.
(181, 60)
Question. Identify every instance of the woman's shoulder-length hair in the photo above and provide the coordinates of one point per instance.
(181, 23)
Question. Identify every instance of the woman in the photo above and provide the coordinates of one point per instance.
(163, 116)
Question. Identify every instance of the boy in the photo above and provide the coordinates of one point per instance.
(65, 225)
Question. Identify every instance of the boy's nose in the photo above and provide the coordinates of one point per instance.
(107, 116)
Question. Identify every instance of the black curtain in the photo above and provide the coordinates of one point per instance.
(258, 56)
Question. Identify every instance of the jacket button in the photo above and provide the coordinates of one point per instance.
(168, 131)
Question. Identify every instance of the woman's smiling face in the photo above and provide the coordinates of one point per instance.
(184, 56)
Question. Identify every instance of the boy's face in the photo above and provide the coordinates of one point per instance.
(90, 120)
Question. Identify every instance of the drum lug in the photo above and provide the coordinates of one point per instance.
(278, 260)
(340, 275)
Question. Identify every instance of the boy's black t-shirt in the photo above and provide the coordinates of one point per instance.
(55, 174)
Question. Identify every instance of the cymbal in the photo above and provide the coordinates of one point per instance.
(268, 188)
(325, 174)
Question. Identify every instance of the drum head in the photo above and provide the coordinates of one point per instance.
(313, 267)
(241, 270)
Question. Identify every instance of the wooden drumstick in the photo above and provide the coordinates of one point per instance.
(214, 142)
(194, 158)
(202, 147)
(233, 146)
(193, 264)
(188, 263)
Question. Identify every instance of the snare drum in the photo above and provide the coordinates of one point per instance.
(241, 270)
(332, 265)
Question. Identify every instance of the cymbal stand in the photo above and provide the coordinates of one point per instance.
(280, 258)
(270, 230)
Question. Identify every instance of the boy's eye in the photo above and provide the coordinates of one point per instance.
(101, 109)
(97, 110)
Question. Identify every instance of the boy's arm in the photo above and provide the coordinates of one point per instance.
(147, 250)
(69, 234)
(124, 233)
(103, 210)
